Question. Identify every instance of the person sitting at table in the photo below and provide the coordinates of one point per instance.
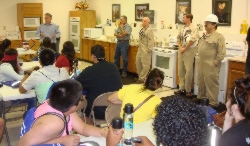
(238, 111)
(64, 98)
(45, 44)
(43, 78)
(3, 46)
(1, 129)
(137, 93)
(9, 72)
(101, 77)
(67, 57)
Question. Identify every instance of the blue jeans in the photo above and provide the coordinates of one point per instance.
(122, 50)
(30, 101)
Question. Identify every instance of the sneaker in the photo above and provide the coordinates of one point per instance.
(180, 92)
(124, 75)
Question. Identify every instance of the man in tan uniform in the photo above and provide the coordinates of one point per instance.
(143, 56)
(187, 38)
(211, 49)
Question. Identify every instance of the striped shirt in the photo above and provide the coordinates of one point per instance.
(48, 30)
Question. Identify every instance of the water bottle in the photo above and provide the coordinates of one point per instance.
(214, 134)
(128, 123)
(117, 126)
(205, 105)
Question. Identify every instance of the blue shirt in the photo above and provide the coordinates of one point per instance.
(127, 28)
(48, 30)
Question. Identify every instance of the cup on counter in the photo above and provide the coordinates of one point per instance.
(135, 24)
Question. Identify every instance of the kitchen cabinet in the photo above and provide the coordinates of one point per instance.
(132, 58)
(112, 47)
(85, 49)
(91, 43)
(106, 49)
(236, 70)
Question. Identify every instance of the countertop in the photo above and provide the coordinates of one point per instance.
(108, 40)
(238, 59)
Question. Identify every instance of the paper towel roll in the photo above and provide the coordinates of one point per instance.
(17, 28)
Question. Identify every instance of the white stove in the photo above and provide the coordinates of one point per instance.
(165, 60)
(233, 49)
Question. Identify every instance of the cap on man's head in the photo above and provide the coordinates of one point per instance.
(98, 51)
(212, 18)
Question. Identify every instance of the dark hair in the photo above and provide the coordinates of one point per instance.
(180, 122)
(13, 63)
(3, 46)
(69, 51)
(65, 94)
(124, 17)
(239, 94)
(48, 14)
(47, 57)
(47, 42)
(154, 79)
(98, 51)
(190, 16)
(216, 25)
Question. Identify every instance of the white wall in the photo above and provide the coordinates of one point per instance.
(165, 10)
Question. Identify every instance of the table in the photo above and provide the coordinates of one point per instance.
(28, 52)
(140, 129)
(29, 65)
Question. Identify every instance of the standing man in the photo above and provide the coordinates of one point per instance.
(211, 49)
(122, 34)
(186, 39)
(50, 30)
(144, 54)
(247, 70)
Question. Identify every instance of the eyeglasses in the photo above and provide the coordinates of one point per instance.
(235, 96)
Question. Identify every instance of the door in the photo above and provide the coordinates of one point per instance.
(75, 28)
(76, 41)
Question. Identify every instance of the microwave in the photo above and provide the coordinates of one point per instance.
(31, 22)
(30, 35)
(93, 32)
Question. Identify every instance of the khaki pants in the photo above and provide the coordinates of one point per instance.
(208, 80)
(143, 62)
(185, 68)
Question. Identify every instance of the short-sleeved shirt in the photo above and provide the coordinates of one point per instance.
(62, 61)
(238, 135)
(188, 31)
(7, 73)
(127, 28)
(52, 73)
(135, 95)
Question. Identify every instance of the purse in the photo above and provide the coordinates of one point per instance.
(219, 119)
(144, 101)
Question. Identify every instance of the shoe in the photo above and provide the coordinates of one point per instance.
(124, 75)
(180, 92)
(189, 95)
(196, 100)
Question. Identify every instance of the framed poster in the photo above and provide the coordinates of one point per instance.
(223, 10)
(139, 11)
(182, 7)
(116, 12)
(150, 14)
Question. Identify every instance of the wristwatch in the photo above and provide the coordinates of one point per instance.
(26, 72)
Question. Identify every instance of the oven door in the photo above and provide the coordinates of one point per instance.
(75, 28)
(76, 41)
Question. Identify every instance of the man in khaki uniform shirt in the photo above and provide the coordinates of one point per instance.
(211, 49)
(144, 54)
(187, 38)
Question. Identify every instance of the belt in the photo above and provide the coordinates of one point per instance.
(123, 40)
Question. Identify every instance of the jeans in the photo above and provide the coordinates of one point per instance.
(122, 50)
(30, 101)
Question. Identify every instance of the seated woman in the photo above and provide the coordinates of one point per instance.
(238, 111)
(137, 93)
(3, 46)
(46, 44)
(64, 98)
(66, 59)
(9, 72)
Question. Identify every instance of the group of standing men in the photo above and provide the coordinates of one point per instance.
(210, 48)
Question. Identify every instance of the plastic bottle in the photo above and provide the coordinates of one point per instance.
(205, 106)
(162, 24)
(117, 126)
(128, 123)
(25, 44)
(243, 27)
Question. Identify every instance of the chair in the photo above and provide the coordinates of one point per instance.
(81, 109)
(101, 100)
(112, 111)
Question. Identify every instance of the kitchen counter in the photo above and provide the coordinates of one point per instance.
(109, 41)
(237, 59)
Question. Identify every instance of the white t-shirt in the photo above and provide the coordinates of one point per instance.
(50, 71)
(7, 73)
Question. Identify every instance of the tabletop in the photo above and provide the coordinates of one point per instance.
(21, 52)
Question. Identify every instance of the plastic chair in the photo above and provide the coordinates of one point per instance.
(81, 109)
(101, 100)
(112, 111)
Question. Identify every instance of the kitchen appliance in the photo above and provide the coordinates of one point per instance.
(31, 22)
(93, 32)
(165, 60)
(172, 40)
(233, 49)
(13, 35)
(30, 35)
(75, 32)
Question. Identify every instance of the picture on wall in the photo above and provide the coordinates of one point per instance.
(223, 10)
(116, 12)
(182, 7)
(150, 14)
(139, 11)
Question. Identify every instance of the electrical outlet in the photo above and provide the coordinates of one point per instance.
(4, 27)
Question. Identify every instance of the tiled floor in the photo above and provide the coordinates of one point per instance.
(14, 125)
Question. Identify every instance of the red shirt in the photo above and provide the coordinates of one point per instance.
(62, 61)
